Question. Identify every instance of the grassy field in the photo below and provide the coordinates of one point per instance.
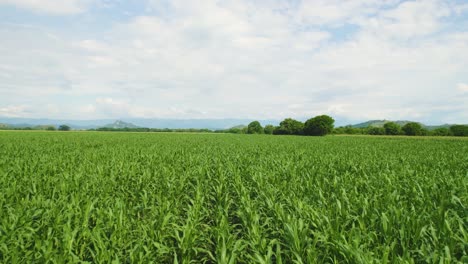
(219, 198)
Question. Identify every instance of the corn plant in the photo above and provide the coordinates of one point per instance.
(219, 198)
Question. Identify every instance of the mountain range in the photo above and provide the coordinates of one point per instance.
(212, 124)
(381, 123)
(120, 124)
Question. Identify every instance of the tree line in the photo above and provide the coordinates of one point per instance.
(41, 127)
(317, 126)
(322, 125)
(409, 129)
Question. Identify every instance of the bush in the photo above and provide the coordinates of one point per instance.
(459, 130)
(289, 126)
(392, 128)
(269, 129)
(64, 128)
(413, 129)
(376, 131)
(441, 131)
(319, 126)
(254, 128)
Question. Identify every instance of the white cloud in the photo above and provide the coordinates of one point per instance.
(92, 45)
(462, 87)
(55, 7)
(262, 59)
(112, 108)
(409, 19)
(14, 110)
(338, 12)
(460, 8)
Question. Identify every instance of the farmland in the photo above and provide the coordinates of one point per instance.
(220, 198)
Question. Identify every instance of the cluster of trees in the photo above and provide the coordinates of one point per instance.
(409, 129)
(44, 127)
(459, 130)
(316, 126)
(64, 128)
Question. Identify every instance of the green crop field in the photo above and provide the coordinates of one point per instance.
(218, 198)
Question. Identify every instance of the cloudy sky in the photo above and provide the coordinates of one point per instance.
(263, 59)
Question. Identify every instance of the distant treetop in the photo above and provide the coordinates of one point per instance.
(64, 128)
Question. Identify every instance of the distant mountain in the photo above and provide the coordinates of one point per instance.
(75, 124)
(120, 124)
(435, 127)
(381, 123)
(44, 127)
(213, 124)
(238, 127)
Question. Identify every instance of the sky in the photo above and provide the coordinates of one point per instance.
(355, 60)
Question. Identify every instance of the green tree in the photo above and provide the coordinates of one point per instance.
(319, 126)
(349, 130)
(254, 128)
(425, 132)
(441, 131)
(269, 129)
(279, 130)
(289, 126)
(51, 128)
(353, 130)
(413, 129)
(459, 130)
(234, 130)
(64, 128)
(392, 128)
(375, 131)
(339, 130)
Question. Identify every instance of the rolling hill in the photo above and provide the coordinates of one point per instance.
(120, 124)
(381, 123)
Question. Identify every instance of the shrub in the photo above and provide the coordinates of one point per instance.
(319, 126)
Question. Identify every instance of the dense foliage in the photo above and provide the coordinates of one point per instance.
(269, 129)
(101, 197)
(441, 131)
(410, 130)
(392, 128)
(255, 128)
(319, 126)
(413, 129)
(64, 128)
(289, 126)
(459, 130)
(376, 131)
